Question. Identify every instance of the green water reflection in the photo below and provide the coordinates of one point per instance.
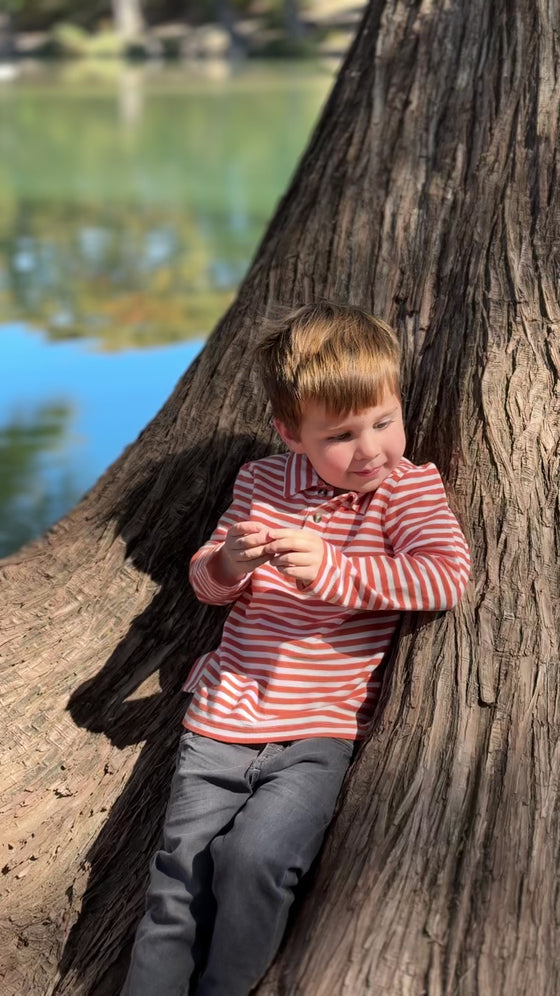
(130, 208)
(27, 503)
(131, 203)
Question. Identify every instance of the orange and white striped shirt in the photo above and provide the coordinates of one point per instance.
(295, 662)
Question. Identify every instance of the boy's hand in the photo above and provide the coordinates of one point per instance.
(241, 553)
(297, 553)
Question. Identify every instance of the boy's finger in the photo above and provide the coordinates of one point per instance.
(295, 541)
(290, 560)
(249, 541)
(253, 553)
(246, 528)
(277, 534)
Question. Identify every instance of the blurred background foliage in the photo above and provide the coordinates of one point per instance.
(140, 29)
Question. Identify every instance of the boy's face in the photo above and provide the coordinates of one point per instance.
(355, 453)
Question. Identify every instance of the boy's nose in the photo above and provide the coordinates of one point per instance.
(368, 446)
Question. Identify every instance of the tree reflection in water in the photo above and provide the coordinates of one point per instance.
(130, 207)
(30, 500)
(137, 228)
(128, 278)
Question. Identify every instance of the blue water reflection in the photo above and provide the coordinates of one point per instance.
(66, 412)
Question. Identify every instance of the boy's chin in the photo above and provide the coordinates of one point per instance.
(358, 486)
(365, 483)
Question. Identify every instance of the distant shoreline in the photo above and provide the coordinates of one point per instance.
(323, 29)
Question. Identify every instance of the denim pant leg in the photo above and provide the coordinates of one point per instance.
(208, 787)
(262, 857)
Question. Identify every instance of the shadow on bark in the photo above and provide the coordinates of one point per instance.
(165, 639)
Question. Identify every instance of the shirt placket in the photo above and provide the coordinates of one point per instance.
(322, 513)
(315, 513)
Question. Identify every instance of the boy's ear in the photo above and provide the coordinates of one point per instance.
(287, 437)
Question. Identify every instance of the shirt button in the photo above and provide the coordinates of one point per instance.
(317, 517)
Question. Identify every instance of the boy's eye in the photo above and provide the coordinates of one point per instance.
(341, 438)
(383, 425)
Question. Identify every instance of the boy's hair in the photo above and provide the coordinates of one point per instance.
(331, 354)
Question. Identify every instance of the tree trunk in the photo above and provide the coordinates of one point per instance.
(127, 17)
(6, 36)
(428, 195)
(293, 21)
(227, 17)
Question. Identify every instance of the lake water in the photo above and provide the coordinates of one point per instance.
(131, 202)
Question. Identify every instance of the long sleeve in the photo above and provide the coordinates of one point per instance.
(430, 563)
(205, 587)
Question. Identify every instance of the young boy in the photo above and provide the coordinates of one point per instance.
(320, 550)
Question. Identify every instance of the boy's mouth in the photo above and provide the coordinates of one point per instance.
(368, 472)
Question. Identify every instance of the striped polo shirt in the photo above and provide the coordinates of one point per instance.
(299, 661)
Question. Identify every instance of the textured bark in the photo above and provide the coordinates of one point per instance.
(427, 194)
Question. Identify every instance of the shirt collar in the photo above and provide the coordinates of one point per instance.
(300, 475)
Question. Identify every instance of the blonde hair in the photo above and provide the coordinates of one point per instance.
(330, 354)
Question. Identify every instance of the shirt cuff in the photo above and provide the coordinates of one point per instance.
(205, 585)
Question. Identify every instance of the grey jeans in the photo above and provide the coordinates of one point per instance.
(243, 824)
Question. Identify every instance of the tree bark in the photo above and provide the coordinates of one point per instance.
(428, 195)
